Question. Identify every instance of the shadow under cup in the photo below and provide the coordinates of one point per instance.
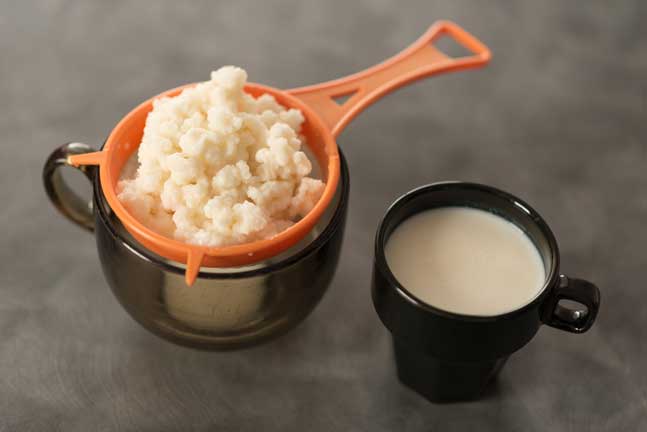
(446, 356)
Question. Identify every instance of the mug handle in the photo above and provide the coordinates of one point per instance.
(565, 318)
(68, 202)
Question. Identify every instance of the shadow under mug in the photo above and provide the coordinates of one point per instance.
(446, 356)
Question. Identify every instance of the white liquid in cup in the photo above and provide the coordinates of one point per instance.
(466, 261)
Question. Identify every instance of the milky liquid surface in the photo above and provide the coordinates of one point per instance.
(465, 260)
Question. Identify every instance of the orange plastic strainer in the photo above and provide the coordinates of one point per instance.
(324, 120)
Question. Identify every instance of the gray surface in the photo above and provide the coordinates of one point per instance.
(559, 118)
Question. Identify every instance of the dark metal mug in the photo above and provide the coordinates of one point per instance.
(447, 356)
(225, 308)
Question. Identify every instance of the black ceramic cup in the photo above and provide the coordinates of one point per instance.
(446, 356)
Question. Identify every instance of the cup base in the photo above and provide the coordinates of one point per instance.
(441, 381)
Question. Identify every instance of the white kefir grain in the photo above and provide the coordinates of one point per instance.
(218, 167)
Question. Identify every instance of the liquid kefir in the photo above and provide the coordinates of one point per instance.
(466, 261)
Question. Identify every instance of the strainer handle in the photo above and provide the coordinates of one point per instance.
(68, 202)
(421, 59)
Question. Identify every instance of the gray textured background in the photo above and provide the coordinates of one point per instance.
(559, 118)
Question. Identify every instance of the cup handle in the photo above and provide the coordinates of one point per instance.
(60, 194)
(565, 318)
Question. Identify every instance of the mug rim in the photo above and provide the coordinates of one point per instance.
(551, 278)
(335, 223)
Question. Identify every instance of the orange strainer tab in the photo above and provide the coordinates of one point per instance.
(324, 120)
